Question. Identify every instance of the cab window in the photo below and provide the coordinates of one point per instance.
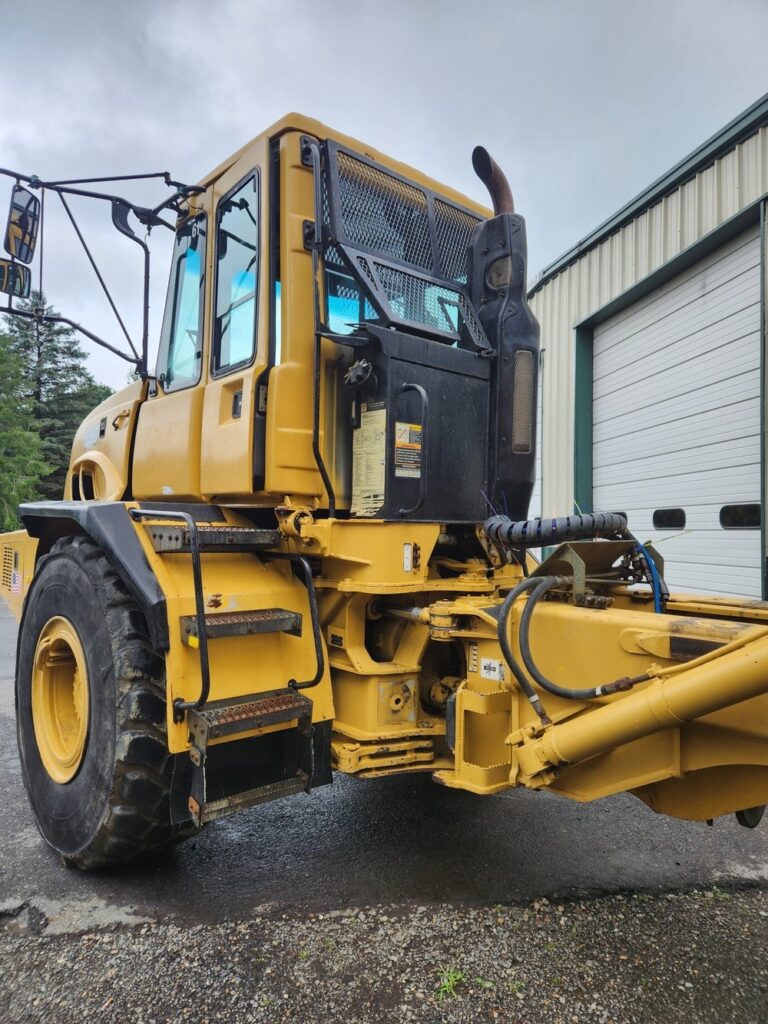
(181, 341)
(237, 272)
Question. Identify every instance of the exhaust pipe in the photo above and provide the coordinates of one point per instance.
(494, 179)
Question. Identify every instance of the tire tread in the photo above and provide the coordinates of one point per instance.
(136, 820)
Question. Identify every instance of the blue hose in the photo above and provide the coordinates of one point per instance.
(655, 581)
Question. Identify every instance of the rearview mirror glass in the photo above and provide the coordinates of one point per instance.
(14, 279)
(23, 221)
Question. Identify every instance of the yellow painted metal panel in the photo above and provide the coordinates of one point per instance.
(101, 450)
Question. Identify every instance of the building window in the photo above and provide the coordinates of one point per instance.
(741, 517)
(669, 519)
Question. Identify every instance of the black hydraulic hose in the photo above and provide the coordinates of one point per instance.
(542, 585)
(506, 648)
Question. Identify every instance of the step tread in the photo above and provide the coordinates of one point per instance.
(173, 537)
(227, 717)
(245, 623)
(250, 798)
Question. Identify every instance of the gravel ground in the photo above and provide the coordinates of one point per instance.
(700, 956)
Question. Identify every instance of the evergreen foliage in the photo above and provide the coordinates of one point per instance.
(55, 386)
(21, 463)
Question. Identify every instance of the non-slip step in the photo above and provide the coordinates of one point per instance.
(223, 624)
(250, 798)
(170, 538)
(226, 717)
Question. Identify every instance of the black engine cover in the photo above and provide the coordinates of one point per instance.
(420, 434)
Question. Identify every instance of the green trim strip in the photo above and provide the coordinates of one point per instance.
(582, 428)
(763, 392)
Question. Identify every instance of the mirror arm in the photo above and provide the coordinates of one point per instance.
(97, 272)
(46, 318)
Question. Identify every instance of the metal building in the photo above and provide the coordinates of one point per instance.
(654, 376)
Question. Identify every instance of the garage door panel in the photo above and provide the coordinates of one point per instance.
(655, 471)
(665, 443)
(726, 337)
(728, 263)
(679, 381)
(730, 300)
(719, 581)
(611, 417)
(737, 485)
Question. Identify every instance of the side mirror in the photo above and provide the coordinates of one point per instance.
(23, 222)
(15, 279)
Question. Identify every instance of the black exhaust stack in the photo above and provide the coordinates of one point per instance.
(497, 288)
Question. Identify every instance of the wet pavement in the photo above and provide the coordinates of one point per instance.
(359, 843)
(388, 902)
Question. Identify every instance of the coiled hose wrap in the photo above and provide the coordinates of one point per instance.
(504, 532)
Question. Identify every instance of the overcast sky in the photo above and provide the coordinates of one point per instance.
(583, 103)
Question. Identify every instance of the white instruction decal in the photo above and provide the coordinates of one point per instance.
(369, 449)
(407, 557)
(491, 669)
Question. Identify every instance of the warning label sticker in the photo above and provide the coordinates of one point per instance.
(369, 449)
(492, 669)
(408, 449)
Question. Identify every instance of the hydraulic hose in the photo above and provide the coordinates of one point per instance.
(543, 584)
(656, 581)
(506, 648)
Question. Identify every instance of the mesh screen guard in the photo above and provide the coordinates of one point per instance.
(407, 247)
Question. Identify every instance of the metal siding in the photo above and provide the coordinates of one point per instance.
(657, 235)
(676, 383)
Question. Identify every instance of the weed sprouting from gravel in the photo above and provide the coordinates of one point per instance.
(450, 977)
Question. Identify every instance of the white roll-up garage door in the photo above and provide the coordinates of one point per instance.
(676, 421)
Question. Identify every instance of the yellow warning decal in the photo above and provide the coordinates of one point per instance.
(408, 449)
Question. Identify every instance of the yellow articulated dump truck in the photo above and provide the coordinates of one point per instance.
(301, 543)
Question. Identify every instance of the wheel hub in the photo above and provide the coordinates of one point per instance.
(60, 699)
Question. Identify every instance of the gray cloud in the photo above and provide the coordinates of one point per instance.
(582, 103)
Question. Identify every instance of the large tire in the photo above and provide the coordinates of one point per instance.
(116, 804)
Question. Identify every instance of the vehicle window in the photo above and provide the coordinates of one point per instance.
(237, 269)
(346, 305)
(180, 355)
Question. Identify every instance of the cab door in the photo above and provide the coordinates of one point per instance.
(166, 462)
(238, 329)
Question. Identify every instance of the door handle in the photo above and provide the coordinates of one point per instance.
(424, 448)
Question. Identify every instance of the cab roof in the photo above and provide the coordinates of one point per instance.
(294, 122)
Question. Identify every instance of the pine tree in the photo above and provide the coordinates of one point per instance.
(61, 391)
(21, 464)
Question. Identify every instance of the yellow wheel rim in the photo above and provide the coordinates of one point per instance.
(60, 699)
